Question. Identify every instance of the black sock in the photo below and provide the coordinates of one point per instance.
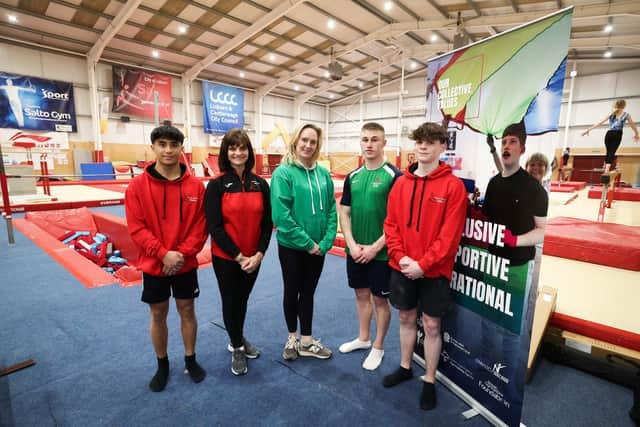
(159, 380)
(396, 377)
(196, 372)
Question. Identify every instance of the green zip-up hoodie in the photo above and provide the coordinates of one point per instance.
(303, 207)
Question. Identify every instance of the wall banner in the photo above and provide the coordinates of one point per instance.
(133, 93)
(37, 104)
(223, 108)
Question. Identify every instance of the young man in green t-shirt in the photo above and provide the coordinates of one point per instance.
(363, 208)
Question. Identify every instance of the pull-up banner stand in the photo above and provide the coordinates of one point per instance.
(479, 90)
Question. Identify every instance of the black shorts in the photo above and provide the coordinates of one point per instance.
(430, 296)
(373, 275)
(158, 289)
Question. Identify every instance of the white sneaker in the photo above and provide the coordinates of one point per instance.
(356, 344)
(373, 360)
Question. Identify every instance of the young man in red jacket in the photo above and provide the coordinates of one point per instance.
(165, 217)
(425, 216)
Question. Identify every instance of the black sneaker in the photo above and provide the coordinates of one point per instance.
(396, 377)
(238, 361)
(250, 351)
(428, 396)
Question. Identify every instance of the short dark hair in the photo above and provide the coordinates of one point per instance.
(431, 132)
(235, 137)
(518, 130)
(373, 126)
(168, 132)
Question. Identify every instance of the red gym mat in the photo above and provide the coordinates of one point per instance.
(563, 189)
(577, 185)
(613, 245)
(44, 227)
(621, 193)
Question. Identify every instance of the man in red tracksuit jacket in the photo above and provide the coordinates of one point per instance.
(425, 216)
(165, 217)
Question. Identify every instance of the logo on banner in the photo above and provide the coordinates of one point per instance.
(223, 98)
(495, 370)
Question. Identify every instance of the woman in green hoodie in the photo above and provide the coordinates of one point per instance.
(304, 212)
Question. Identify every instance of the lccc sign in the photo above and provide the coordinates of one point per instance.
(223, 108)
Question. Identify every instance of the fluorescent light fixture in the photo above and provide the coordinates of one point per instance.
(573, 73)
(272, 57)
(413, 65)
(296, 88)
(434, 38)
(331, 24)
(331, 96)
(608, 53)
(12, 18)
(388, 5)
(327, 74)
(155, 53)
(608, 28)
(242, 74)
(360, 85)
(182, 29)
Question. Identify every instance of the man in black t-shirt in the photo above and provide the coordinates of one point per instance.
(516, 200)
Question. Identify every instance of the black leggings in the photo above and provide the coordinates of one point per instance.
(612, 142)
(300, 274)
(235, 286)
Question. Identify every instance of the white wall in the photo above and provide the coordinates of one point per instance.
(73, 69)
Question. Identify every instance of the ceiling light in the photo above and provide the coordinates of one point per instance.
(434, 38)
(327, 74)
(296, 88)
(242, 74)
(331, 96)
(155, 53)
(413, 65)
(12, 18)
(608, 28)
(360, 85)
(608, 53)
(573, 73)
(182, 29)
(331, 24)
(272, 57)
(388, 5)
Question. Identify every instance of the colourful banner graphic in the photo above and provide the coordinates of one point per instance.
(516, 77)
(38, 104)
(492, 84)
(223, 108)
(134, 89)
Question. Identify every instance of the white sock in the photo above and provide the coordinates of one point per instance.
(356, 344)
(373, 360)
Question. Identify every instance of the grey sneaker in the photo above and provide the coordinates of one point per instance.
(314, 349)
(291, 348)
(238, 361)
(250, 350)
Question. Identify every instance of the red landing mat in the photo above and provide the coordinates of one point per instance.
(596, 330)
(43, 227)
(577, 185)
(621, 193)
(563, 189)
(613, 245)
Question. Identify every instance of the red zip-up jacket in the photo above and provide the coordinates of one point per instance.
(238, 213)
(165, 215)
(425, 218)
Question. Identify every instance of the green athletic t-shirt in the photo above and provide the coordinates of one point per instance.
(366, 191)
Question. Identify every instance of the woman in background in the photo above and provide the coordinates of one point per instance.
(617, 118)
